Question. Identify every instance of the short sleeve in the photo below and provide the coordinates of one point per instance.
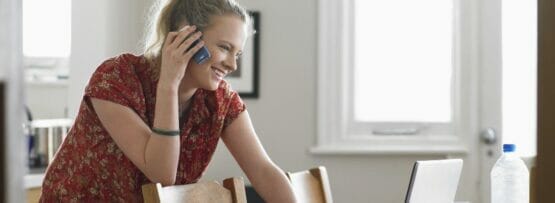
(115, 81)
(236, 106)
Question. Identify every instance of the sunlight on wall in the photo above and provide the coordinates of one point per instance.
(46, 28)
(519, 75)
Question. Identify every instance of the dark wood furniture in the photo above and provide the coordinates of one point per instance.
(545, 161)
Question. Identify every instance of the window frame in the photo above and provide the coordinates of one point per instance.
(337, 133)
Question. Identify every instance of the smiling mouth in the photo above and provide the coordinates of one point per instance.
(219, 73)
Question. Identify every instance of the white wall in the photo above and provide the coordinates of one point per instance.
(46, 100)
(285, 114)
(100, 30)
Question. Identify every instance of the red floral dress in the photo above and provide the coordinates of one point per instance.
(90, 167)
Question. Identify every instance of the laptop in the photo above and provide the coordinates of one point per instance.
(434, 181)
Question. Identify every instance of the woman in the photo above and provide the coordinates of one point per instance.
(158, 117)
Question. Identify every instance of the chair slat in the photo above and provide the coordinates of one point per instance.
(205, 192)
(311, 186)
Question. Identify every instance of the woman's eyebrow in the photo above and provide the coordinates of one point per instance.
(231, 45)
(228, 43)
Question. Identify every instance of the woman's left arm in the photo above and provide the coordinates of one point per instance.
(268, 179)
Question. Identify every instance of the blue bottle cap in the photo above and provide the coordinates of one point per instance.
(509, 147)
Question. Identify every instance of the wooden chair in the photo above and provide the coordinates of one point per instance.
(311, 186)
(233, 191)
(33, 194)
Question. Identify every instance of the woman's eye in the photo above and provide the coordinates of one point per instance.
(224, 47)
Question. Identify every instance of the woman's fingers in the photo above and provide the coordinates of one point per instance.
(169, 38)
(177, 36)
(186, 45)
(189, 53)
(183, 34)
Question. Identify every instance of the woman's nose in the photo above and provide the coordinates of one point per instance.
(230, 63)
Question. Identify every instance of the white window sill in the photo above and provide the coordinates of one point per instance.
(33, 180)
(388, 150)
(47, 83)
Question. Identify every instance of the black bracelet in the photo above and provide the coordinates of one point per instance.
(166, 132)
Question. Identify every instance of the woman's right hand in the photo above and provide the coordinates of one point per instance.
(176, 57)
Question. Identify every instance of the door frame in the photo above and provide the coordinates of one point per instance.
(12, 144)
(545, 166)
(490, 89)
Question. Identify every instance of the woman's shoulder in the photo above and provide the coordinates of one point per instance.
(130, 58)
(123, 64)
(117, 79)
(125, 60)
(123, 68)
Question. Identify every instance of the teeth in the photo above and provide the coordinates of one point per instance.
(218, 72)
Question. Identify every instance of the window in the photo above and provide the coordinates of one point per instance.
(424, 42)
(417, 53)
(418, 96)
(519, 74)
(46, 36)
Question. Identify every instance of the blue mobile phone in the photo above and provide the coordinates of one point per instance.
(202, 54)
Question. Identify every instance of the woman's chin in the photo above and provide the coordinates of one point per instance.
(211, 87)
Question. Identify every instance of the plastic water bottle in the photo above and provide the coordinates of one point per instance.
(510, 179)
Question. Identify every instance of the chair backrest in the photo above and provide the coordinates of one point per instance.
(311, 186)
(233, 191)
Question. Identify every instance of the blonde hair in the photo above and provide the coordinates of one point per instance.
(168, 15)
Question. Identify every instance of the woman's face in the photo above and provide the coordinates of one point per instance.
(225, 38)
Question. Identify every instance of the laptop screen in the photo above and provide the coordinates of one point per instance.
(434, 181)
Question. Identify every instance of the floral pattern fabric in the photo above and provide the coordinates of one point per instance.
(89, 166)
